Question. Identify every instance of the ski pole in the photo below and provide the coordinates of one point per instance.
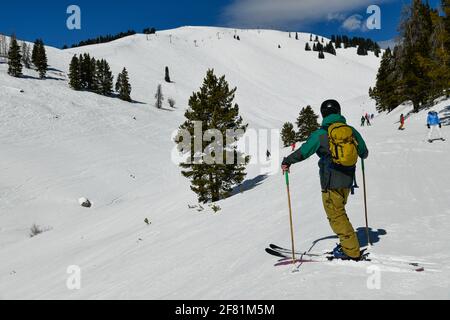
(365, 203)
(290, 217)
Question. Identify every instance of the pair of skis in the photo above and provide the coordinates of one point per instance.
(285, 256)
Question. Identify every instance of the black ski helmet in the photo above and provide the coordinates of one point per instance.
(330, 107)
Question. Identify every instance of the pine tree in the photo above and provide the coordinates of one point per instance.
(438, 62)
(88, 73)
(386, 93)
(362, 51)
(39, 58)
(159, 97)
(106, 80)
(310, 37)
(123, 86)
(317, 39)
(330, 48)
(74, 73)
(338, 42)
(34, 54)
(93, 85)
(42, 65)
(288, 135)
(14, 59)
(167, 76)
(314, 47)
(306, 123)
(213, 106)
(296, 36)
(307, 47)
(416, 29)
(321, 55)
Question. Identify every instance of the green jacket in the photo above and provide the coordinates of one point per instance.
(330, 176)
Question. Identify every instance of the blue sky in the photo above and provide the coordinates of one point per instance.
(47, 18)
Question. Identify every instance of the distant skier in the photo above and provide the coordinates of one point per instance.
(434, 124)
(402, 122)
(293, 146)
(337, 172)
(363, 121)
(368, 120)
(268, 155)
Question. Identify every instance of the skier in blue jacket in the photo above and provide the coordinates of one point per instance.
(434, 123)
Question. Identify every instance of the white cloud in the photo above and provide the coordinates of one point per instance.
(336, 17)
(284, 13)
(355, 22)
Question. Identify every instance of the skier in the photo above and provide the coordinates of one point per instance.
(363, 121)
(268, 155)
(434, 123)
(293, 146)
(337, 172)
(368, 120)
(402, 122)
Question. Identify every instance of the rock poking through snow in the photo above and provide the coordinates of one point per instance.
(85, 203)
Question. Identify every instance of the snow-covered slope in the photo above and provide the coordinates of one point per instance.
(58, 145)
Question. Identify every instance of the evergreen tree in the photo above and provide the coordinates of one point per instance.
(307, 47)
(34, 53)
(338, 42)
(104, 78)
(39, 58)
(321, 55)
(288, 135)
(317, 39)
(362, 50)
(14, 59)
(213, 107)
(123, 86)
(314, 47)
(310, 37)
(74, 73)
(306, 123)
(296, 36)
(438, 62)
(42, 60)
(416, 29)
(159, 97)
(330, 48)
(88, 73)
(167, 76)
(386, 92)
(93, 73)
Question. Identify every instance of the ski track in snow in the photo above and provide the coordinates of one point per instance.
(58, 145)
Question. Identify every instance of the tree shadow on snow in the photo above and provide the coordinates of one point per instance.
(249, 184)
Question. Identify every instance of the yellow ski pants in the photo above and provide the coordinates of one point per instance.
(334, 202)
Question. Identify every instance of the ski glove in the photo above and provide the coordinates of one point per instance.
(285, 168)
